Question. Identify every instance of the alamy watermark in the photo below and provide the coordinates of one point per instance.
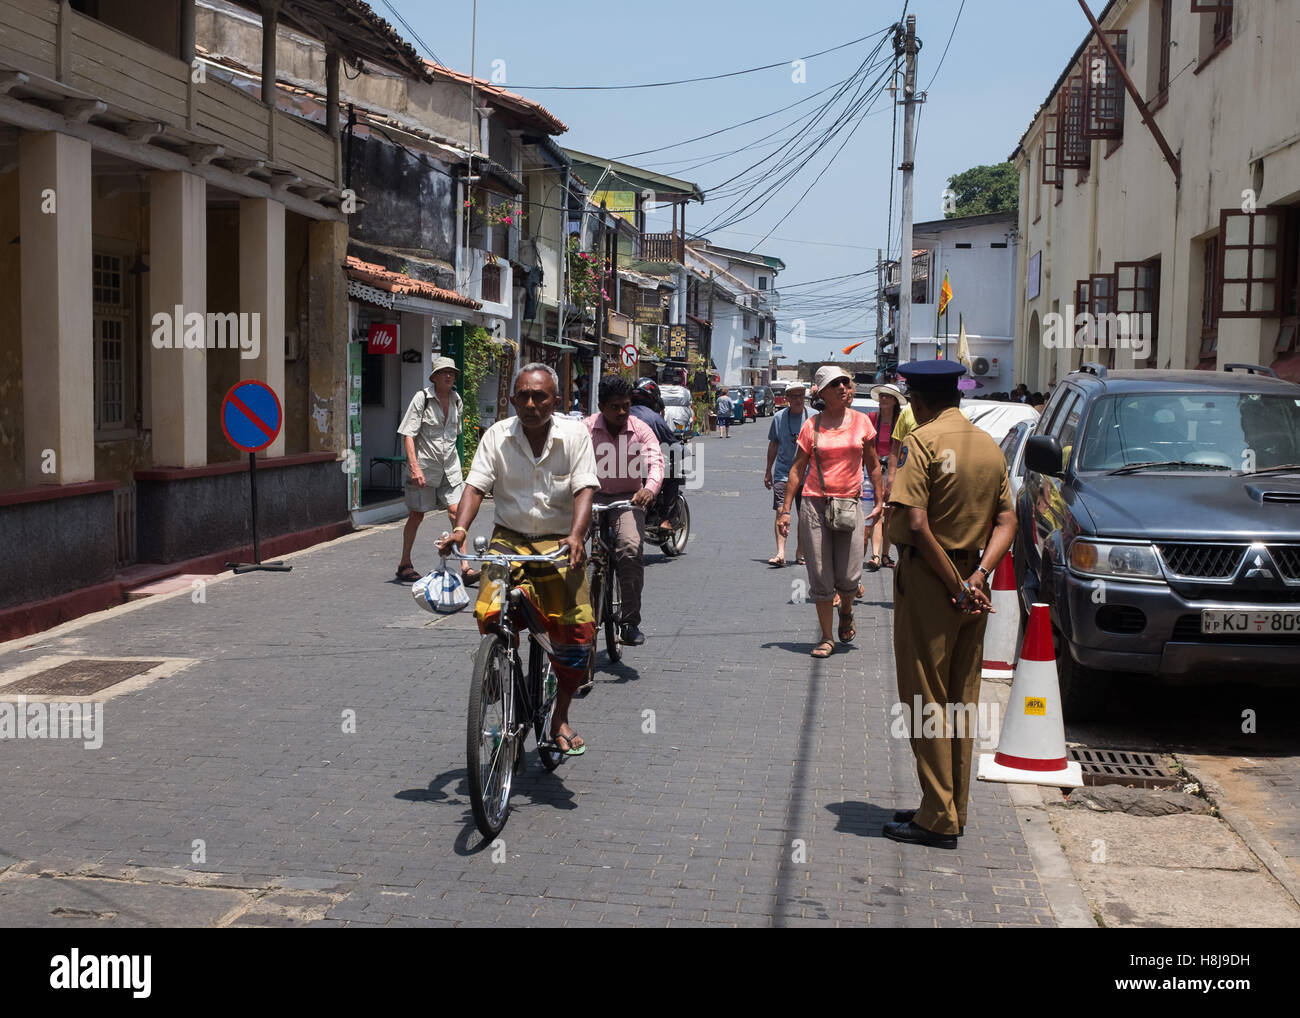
(191, 330)
(919, 720)
(1117, 331)
(78, 720)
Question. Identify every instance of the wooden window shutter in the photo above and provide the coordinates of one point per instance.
(1104, 88)
(1073, 149)
(1249, 263)
(1051, 172)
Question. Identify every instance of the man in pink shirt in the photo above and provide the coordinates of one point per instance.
(630, 465)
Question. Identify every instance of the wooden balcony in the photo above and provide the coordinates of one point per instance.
(87, 60)
(663, 247)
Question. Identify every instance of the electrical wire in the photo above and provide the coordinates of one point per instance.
(413, 34)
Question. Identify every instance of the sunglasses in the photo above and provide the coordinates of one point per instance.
(839, 381)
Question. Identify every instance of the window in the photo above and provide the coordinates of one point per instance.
(1166, 37)
(1051, 166)
(1209, 300)
(1137, 292)
(998, 243)
(1103, 84)
(1073, 149)
(1215, 28)
(111, 324)
(1290, 296)
(1082, 290)
(962, 247)
(762, 282)
(1250, 262)
(491, 288)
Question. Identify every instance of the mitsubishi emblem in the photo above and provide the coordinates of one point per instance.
(1259, 571)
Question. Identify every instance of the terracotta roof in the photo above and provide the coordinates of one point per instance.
(396, 282)
(512, 101)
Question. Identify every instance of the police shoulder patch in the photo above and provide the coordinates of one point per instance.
(902, 456)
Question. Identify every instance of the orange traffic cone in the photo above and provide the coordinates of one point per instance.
(1031, 746)
(1003, 624)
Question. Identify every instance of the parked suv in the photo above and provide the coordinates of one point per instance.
(1160, 520)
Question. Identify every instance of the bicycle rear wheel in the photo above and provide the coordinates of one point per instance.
(679, 515)
(613, 611)
(489, 742)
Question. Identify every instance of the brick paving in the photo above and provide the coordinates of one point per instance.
(756, 797)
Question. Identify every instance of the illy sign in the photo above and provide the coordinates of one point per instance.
(382, 338)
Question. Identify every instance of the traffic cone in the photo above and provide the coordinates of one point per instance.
(1031, 746)
(1003, 624)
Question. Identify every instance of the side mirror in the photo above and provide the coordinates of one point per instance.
(1043, 455)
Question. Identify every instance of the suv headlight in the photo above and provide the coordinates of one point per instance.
(1122, 561)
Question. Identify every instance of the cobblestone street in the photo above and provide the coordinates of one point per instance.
(227, 791)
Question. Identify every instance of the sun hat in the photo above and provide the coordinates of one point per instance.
(801, 386)
(827, 373)
(442, 364)
(888, 389)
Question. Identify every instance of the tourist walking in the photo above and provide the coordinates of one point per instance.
(782, 436)
(833, 447)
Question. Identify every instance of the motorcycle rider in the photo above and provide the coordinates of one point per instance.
(648, 405)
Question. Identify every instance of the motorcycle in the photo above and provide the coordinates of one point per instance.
(678, 514)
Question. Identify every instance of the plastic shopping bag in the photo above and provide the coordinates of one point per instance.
(441, 591)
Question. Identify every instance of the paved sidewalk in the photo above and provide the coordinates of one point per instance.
(731, 780)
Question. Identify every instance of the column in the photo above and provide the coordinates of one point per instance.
(261, 294)
(327, 335)
(54, 200)
(178, 229)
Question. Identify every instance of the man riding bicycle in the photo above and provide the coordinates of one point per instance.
(541, 471)
(630, 466)
(648, 406)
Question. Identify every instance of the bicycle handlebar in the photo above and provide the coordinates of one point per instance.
(598, 508)
(559, 555)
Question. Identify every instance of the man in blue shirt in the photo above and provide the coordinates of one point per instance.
(781, 451)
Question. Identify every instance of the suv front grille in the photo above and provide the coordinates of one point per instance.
(1287, 557)
(1202, 561)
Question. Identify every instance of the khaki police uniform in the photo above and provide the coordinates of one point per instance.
(958, 475)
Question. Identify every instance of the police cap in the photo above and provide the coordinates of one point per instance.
(932, 376)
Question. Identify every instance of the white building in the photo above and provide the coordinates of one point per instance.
(745, 302)
(978, 253)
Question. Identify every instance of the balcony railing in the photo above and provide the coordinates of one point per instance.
(663, 247)
(769, 300)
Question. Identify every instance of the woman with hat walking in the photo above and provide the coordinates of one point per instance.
(429, 429)
(834, 447)
(892, 401)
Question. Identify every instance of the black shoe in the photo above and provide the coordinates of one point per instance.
(904, 816)
(912, 834)
(630, 635)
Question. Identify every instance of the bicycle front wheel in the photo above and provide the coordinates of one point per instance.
(490, 743)
(613, 611)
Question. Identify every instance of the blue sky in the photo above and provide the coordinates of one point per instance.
(1003, 58)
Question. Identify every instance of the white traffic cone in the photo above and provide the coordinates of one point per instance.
(1031, 746)
(1003, 624)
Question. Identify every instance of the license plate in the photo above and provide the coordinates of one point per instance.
(1217, 621)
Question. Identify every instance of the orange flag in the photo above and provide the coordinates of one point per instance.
(849, 349)
(945, 293)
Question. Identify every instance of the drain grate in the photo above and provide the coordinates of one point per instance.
(1122, 767)
(79, 678)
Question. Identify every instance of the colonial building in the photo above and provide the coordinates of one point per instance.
(170, 230)
(1190, 222)
(744, 305)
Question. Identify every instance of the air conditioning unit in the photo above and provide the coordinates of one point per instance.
(981, 366)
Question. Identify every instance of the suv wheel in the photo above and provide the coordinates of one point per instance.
(1084, 691)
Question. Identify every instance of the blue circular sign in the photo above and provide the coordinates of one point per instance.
(250, 415)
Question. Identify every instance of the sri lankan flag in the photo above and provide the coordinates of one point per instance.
(945, 293)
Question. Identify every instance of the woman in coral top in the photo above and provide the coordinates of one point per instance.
(835, 449)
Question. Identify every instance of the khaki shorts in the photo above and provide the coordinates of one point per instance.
(442, 495)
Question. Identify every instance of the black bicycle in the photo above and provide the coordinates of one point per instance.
(504, 702)
(606, 592)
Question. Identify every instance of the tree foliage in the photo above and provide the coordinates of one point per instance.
(983, 189)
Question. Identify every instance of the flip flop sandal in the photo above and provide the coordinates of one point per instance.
(829, 644)
(872, 564)
(571, 750)
(470, 577)
(847, 632)
(776, 562)
(407, 574)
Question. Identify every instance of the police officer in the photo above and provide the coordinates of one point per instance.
(950, 487)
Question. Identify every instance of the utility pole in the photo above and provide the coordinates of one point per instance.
(880, 307)
(903, 333)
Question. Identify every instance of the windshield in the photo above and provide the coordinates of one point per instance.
(1214, 430)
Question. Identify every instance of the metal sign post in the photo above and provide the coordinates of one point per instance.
(251, 417)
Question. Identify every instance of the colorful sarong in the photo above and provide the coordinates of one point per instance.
(556, 605)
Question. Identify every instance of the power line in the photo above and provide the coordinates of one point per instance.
(413, 34)
(946, 45)
(689, 81)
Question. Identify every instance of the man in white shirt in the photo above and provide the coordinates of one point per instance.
(541, 471)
